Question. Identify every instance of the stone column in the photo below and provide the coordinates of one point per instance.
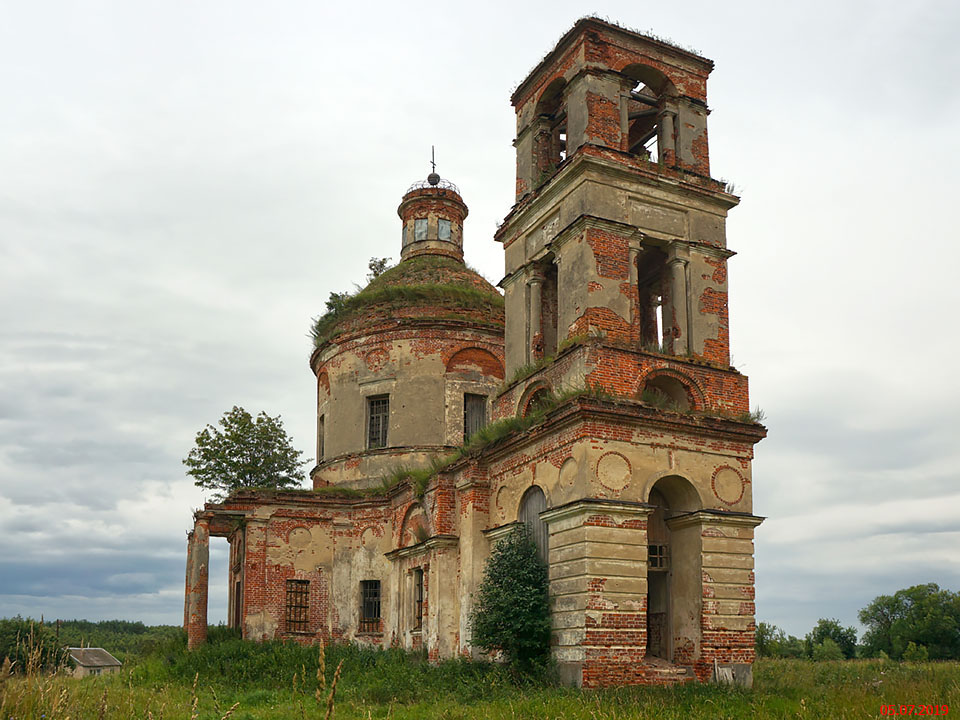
(633, 253)
(666, 139)
(598, 590)
(198, 568)
(535, 285)
(678, 305)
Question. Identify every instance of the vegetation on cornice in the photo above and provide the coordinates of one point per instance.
(662, 401)
(432, 280)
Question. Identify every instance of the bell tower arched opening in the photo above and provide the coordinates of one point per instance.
(649, 116)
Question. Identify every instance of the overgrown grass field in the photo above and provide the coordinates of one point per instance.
(229, 678)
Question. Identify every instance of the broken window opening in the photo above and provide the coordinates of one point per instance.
(537, 401)
(320, 439)
(369, 606)
(651, 289)
(378, 416)
(550, 142)
(298, 606)
(418, 598)
(643, 111)
(649, 130)
(474, 414)
(549, 307)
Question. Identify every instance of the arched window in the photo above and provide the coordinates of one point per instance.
(532, 504)
(667, 392)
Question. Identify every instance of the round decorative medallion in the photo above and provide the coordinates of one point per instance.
(613, 471)
(299, 537)
(728, 484)
(568, 472)
(368, 536)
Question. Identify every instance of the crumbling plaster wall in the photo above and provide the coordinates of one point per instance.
(426, 397)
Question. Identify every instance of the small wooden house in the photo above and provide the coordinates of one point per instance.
(93, 661)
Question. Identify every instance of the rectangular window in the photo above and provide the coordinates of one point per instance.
(658, 557)
(420, 229)
(298, 605)
(320, 439)
(418, 598)
(378, 417)
(474, 414)
(369, 606)
(443, 229)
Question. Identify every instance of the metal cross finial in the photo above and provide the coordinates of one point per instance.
(433, 178)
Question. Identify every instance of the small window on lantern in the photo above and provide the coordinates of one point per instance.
(443, 229)
(420, 229)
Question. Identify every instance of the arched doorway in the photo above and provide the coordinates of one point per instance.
(674, 584)
(532, 504)
(658, 578)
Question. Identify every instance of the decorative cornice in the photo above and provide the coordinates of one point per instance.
(715, 517)
(437, 542)
(595, 506)
(501, 530)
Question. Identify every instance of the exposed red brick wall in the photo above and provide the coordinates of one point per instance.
(603, 120)
(474, 359)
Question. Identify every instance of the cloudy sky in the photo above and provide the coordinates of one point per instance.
(182, 184)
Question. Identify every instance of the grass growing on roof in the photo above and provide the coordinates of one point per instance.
(430, 279)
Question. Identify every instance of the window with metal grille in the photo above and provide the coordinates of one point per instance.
(474, 414)
(369, 606)
(378, 416)
(418, 599)
(298, 605)
(658, 557)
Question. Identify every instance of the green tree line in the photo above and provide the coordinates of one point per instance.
(915, 624)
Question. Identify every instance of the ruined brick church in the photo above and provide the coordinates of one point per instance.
(610, 341)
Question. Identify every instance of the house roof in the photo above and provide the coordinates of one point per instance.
(93, 657)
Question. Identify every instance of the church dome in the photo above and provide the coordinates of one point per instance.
(407, 366)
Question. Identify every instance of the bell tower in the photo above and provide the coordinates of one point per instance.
(618, 228)
(617, 339)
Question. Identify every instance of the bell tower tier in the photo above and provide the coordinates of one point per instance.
(618, 229)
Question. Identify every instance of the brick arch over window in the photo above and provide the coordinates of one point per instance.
(677, 387)
(323, 382)
(415, 526)
(476, 360)
(534, 393)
